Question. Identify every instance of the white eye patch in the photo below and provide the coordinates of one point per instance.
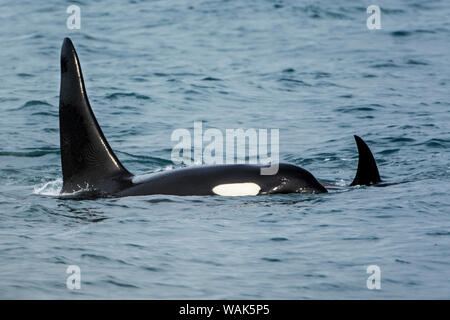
(237, 189)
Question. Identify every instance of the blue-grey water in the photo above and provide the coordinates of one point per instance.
(309, 68)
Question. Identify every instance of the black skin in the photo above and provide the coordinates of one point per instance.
(200, 180)
(92, 170)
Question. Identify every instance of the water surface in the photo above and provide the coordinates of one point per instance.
(311, 69)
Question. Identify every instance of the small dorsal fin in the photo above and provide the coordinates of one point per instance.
(86, 157)
(367, 173)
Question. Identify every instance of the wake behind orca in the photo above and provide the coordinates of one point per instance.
(92, 170)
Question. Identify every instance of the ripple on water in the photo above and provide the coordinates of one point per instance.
(31, 154)
(438, 233)
(385, 65)
(279, 239)
(416, 62)
(119, 95)
(364, 238)
(33, 103)
(408, 33)
(437, 143)
(290, 82)
(402, 261)
(25, 75)
(271, 259)
(359, 109)
(211, 79)
(120, 284)
(401, 33)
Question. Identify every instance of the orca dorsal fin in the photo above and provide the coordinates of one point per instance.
(86, 157)
(367, 173)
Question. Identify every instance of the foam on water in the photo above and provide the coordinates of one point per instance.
(50, 188)
(142, 177)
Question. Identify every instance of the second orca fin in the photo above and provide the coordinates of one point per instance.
(367, 173)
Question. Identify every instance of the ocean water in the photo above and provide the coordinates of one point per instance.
(312, 69)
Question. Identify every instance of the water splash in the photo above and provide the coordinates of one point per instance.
(140, 178)
(50, 188)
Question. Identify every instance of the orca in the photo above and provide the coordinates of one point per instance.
(91, 170)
